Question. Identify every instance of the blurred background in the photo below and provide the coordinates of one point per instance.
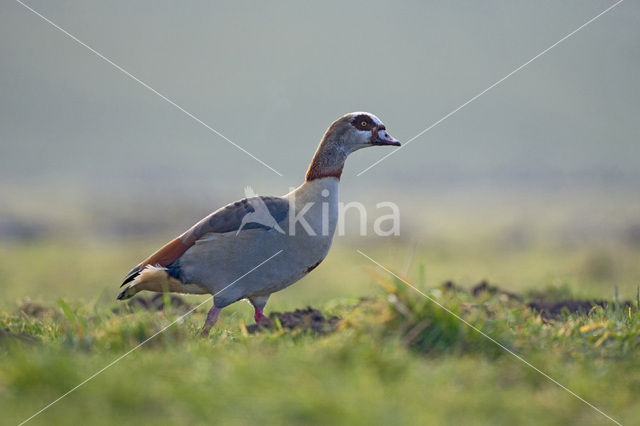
(533, 184)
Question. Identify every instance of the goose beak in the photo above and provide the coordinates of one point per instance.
(384, 138)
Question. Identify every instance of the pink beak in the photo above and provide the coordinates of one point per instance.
(383, 138)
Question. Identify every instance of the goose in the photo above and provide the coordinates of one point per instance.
(283, 240)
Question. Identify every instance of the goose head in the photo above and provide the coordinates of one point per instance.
(358, 130)
(347, 134)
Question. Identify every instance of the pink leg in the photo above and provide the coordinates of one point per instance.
(212, 317)
(258, 303)
(258, 314)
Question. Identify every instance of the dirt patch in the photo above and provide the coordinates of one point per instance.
(483, 287)
(548, 309)
(555, 309)
(35, 310)
(154, 303)
(7, 336)
(300, 319)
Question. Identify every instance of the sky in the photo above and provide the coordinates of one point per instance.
(272, 76)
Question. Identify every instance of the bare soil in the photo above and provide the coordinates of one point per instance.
(301, 319)
(548, 309)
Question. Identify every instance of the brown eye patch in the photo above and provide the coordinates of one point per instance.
(363, 122)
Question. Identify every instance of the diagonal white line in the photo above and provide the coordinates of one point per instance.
(492, 86)
(493, 340)
(133, 77)
(145, 341)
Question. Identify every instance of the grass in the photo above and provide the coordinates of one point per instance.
(395, 357)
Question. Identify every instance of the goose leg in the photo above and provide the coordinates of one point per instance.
(258, 314)
(258, 307)
(212, 317)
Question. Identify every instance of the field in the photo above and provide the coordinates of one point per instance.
(394, 357)
(510, 295)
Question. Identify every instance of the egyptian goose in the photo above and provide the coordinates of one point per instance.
(260, 245)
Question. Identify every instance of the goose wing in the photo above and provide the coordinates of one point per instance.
(226, 219)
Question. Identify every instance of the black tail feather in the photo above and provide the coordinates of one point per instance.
(131, 276)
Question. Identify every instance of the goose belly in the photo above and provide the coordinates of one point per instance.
(255, 262)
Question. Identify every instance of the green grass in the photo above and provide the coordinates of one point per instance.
(395, 358)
